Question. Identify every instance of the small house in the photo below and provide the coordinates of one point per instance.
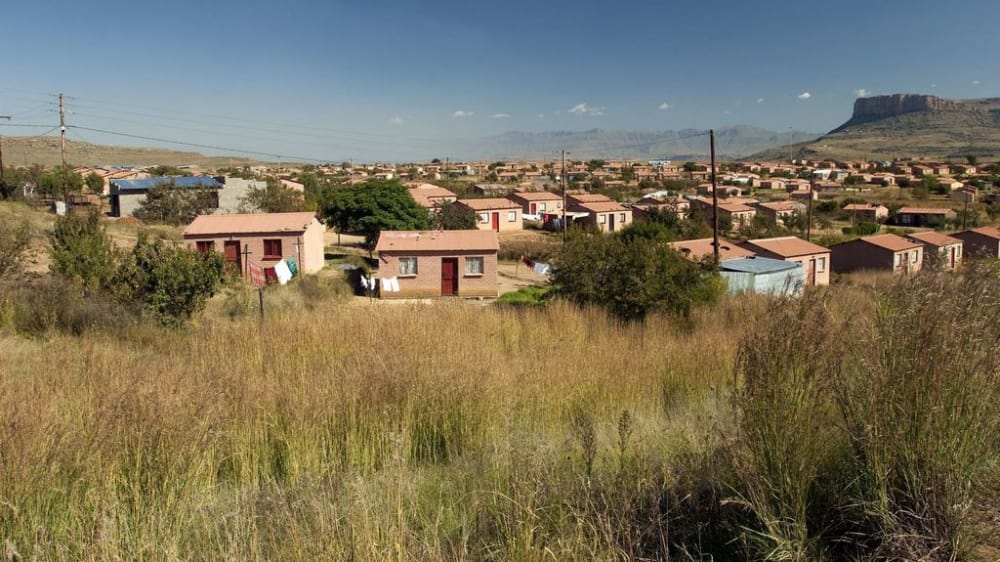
(923, 216)
(128, 195)
(866, 212)
(430, 196)
(496, 214)
(886, 252)
(537, 202)
(940, 250)
(780, 211)
(491, 189)
(701, 248)
(983, 242)
(814, 259)
(442, 263)
(605, 216)
(263, 238)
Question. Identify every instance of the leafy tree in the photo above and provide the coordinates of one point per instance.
(631, 276)
(273, 197)
(371, 207)
(82, 251)
(436, 161)
(10, 182)
(95, 183)
(451, 216)
(597, 183)
(167, 171)
(171, 282)
(647, 230)
(173, 205)
(495, 165)
(972, 159)
(13, 247)
(492, 177)
(595, 164)
(59, 181)
(628, 174)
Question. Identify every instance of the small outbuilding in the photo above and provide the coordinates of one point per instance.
(762, 276)
(264, 238)
(441, 263)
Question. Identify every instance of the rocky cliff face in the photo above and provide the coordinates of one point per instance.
(886, 106)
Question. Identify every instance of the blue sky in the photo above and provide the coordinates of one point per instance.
(392, 80)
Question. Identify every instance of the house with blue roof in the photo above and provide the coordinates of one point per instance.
(128, 195)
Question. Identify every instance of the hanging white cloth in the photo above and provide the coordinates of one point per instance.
(282, 272)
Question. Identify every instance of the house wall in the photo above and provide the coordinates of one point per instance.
(308, 256)
(505, 223)
(939, 257)
(551, 205)
(594, 220)
(427, 282)
(856, 256)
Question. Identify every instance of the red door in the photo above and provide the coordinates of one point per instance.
(234, 262)
(449, 277)
(532, 208)
(811, 279)
(496, 222)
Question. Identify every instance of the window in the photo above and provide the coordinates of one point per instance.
(820, 265)
(474, 266)
(484, 218)
(511, 216)
(601, 219)
(622, 218)
(916, 255)
(899, 259)
(408, 266)
(205, 247)
(272, 249)
(541, 207)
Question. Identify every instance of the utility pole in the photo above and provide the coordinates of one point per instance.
(715, 199)
(565, 227)
(7, 117)
(809, 212)
(62, 147)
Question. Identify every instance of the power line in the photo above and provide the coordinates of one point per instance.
(197, 145)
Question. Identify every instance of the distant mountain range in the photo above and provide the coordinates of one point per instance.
(907, 125)
(686, 144)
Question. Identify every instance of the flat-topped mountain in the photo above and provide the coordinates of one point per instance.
(885, 127)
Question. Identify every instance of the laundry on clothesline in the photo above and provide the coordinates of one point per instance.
(282, 272)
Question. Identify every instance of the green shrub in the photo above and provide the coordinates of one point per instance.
(82, 251)
(525, 296)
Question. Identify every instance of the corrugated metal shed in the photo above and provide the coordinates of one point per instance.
(763, 276)
(177, 181)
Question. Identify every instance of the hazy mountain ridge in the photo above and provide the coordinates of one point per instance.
(684, 144)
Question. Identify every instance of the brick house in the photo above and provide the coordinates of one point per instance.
(983, 242)
(430, 196)
(940, 250)
(460, 263)
(923, 216)
(866, 212)
(815, 259)
(886, 252)
(496, 214)
(264, 238)
(605, 216)
(537, 202)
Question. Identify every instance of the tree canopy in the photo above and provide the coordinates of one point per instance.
(59, 181)
(632, 276)
(174, 205)
(371, 207)
(273, 197)
(451, 216)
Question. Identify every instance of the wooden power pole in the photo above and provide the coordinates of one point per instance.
(565, 226)
(62, 149)
(809, 213)
(715, 199)
(7, 117)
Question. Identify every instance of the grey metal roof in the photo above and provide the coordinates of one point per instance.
(758, 265)
(176, 181)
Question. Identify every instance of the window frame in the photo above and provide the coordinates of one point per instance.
(821, 264)
(511, 216)
(481, 260)
(602, 218)
(484, 218)
(268, 244)
(408, 259)
(205, 246)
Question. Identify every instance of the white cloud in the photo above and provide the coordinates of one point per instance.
(760, 100)
(862, 93)
(501, 115)
(397, 120)
(541, 116)
(933, 85)
(665, 106)
(584, 109)
(462, 113)
(805, 96)
(975, 82)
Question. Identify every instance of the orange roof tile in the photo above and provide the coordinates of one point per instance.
(786, 246)
(698, 249)
(491, 203)
(437, 241)
(891, 242)
(933, 238)
(204, 225)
